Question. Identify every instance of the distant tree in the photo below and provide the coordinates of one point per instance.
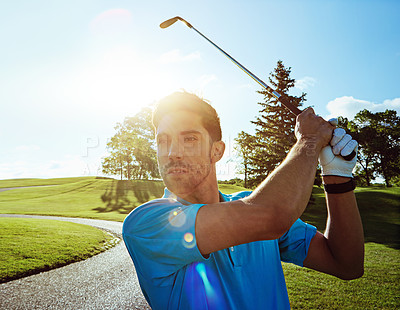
(234, 181)
(364, 172)
(396, 180)
(113, 164)
(274, 126)
(379, 135)
(132, 152)
(244, 146)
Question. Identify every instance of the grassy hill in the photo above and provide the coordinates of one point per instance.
(89, 197)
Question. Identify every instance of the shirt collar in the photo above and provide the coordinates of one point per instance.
(170, 195)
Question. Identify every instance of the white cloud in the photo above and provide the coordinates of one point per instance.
(393, 104)
(305, 83)
(176, 56)
(348, 106)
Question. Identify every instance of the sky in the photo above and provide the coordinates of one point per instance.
(71, 70)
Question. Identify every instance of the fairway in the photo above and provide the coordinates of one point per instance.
(88, 197)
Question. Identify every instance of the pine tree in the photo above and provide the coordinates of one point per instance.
(274, 126)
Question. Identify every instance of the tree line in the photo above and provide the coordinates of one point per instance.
(132, 153)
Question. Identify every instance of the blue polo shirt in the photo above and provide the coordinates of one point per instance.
(160, 238)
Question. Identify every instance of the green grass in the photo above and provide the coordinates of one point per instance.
(378, 289)
(229, 189)
(88, 197)
(97, 198)
(40, 182)
(379, 209)
(30, 246)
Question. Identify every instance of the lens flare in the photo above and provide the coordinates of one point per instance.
(188, 237)
(201, 269)
(188, 240)
(204, 287)
(177, 217)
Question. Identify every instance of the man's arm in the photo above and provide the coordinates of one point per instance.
(276, 204)
(340, 250)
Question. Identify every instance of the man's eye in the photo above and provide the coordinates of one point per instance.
(190, 139)
(162, 140)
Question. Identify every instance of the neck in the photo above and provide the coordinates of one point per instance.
(205, 193)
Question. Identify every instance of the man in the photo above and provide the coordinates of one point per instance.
(197, 248)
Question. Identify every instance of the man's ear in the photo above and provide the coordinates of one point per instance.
(217, 151)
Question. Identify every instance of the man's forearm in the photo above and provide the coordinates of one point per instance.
(344, 230)
(289, 186)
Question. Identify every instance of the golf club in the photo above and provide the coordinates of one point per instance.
(281, 98)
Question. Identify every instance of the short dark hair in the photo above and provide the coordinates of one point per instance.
(184, 101)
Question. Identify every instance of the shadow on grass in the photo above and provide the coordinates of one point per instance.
(380, 214)
(123, 196)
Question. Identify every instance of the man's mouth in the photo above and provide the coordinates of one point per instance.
(177, 170)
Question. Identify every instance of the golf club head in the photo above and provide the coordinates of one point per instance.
(171, 21)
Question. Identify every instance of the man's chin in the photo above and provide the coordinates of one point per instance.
(174, 181)
(179, 185)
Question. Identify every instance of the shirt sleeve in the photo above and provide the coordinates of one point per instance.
(160, 237)
(293, 245)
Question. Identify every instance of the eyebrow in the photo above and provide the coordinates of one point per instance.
(188, 132)
(185, 132)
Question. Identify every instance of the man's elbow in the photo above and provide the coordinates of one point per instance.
(352, 273)
(354, 268)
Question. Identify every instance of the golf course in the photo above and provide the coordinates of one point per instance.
(25, 244)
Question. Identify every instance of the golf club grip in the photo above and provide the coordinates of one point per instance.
(350, 156)
(286, 102)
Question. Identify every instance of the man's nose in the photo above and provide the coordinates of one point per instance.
(175, 149)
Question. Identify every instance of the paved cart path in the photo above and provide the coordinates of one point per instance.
(105, 281)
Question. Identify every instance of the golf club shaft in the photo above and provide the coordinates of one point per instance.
(281, 98)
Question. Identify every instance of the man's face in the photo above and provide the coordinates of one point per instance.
(183, 151)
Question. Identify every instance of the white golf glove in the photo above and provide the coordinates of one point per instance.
(341, 144)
